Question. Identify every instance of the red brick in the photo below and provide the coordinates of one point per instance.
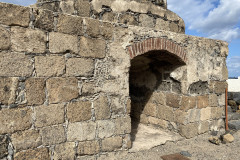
(141, 48)
(158, 44)
(130, 51)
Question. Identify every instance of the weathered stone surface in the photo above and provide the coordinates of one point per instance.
(127, 143)
(79, 111)
(158, 98)
(217, 112)
(89, 88)
(35, 91)
(232, 103)
(83, 8)
(205, 114)
(123, 125)
(70, 24)
(26, 139)
(194, 115)
(3, 146)
(8, 87)
(93, 27)
(28, 40)
(52, 6)
(109, 16)
(81, 131)
(111, 144)
(15, 65)
(202, 101)
(79, 67)
(5, 38)
(44, 19)
(161, 24)
(36, 154)
(107, 30)
(165, 112)
(102, 110)
(146, 21)
(159, 122)
(218, 87)
(180, 116)
(128, 19)
(49, 66)
(228, 138)
(19, 15)
(49, 115)
(64, 151)
(67, 6)
(88, 148)
(203, 127)
(150, 109)
(62, 89)
(213, 100)
(189, 130)
(61, 43)
(15, 119)
(188, 103)
(173, 100)
(173, 27)
(106, 128)
(53, 135)
(94, 48)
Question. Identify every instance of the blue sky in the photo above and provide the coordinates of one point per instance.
(217, 19)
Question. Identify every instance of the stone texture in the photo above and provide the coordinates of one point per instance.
(81, 131)
(102, 110)
(67, 6)
(228, 138)
(188, 103)
(61, 43)
(203, 127)
(111, 144)
(53, 135)
(49, 66)
(213, 100)
(194, 115)
(202, 101)
(88, 148)
(128, 19)
(44, 19)
(146, 21)
(15, 65)
(180, 116)
(83, 8)
(217, 112)
(93, 27)
(35, 91)
(189, 130)
(70, 24)
(106, 128)
(36, 154)
(26, 139)
(79, 111)
(64, 151)
(8, 87)
(218, 87)
(62, 89)
(94, 48)
(49, 115)
(28, 40)
(79, 67)
(173, 27)
(150, 109)
(205, 114)
(107, 30)
(5, 39)
(19, 15)
(3, 146)
(123, 125)
(161, 24)
(173, 100)
(21, 121)
(165, 113)
(159, 122)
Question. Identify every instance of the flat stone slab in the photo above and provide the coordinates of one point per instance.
(176, 156)
(234, 125)
(234, 116)
(148, 137)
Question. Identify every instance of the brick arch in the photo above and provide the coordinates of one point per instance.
(152, 44)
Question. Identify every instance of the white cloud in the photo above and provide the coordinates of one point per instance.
(204, 16)
(233, 64)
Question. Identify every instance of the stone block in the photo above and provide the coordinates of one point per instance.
(128, 19)
(193, 115)
(89, 88)
(213, 100)
(51, 5)
(173, 27)
(202, 101)
(36, 154)
(173, 100)
(111, 144)
(5, 42)
(8, 88)
(44, 19)
(49, 115)
(64, 151)
(107, 30)
(79, 67)
(70, 24)
(28, 40)
(162, 24)
(102, 110)
(81, 131)
(188, 103)
(123, 125)
(67, 6)
(203, 127)
(62, 89)
(106, 128)
(61, 43)
(181, 116)
(15, 65)
(93, 27)
(217, 112)
(35, 91)
(150, 109)
(189, 130)
(26, 139)
(83, 8)
(15, 120)
(88, 148)
(158, 98)
(94, 48)
(53, 135)
(79, 111)
(143, 118)
(3, 146)
(49, 66)
(159, 122)
(221, 100)
(19, 15)
(127, 143)
(165, 112)
(218, 87)
(117, 106)
(109, 16)
(146, 21)
(205, 114)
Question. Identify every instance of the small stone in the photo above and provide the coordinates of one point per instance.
(3, 146)
(227, 138)
(185, 153)
(232, 103)
(215, 140)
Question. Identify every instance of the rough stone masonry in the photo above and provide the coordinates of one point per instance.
(76, 74)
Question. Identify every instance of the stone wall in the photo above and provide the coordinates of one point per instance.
(64, 84)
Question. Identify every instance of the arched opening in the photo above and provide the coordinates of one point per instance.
(150, 82)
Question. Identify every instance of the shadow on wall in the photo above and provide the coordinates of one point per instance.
(149, 79)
